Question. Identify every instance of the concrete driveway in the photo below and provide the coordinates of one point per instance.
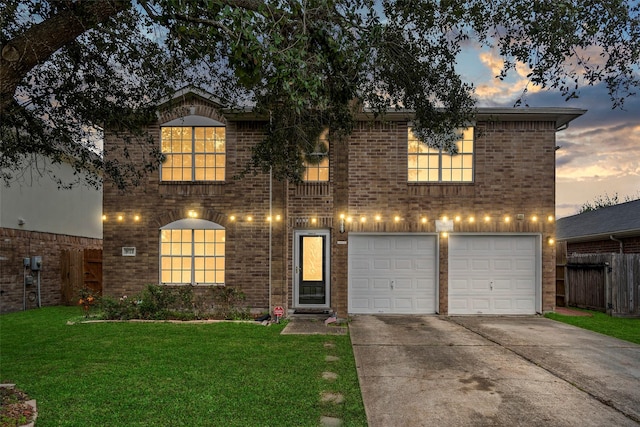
(493, 371)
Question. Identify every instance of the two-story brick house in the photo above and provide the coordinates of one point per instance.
(382, 224)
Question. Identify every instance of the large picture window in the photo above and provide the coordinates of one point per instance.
(193, 153)
(427, 164)
(316, 164)
(194, 255)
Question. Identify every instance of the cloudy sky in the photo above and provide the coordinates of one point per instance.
(600, 151)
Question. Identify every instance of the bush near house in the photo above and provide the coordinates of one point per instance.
(176, 303)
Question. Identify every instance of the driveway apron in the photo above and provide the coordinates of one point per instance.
(493, 371)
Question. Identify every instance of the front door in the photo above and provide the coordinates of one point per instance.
(311, 268)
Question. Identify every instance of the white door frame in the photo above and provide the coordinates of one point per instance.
(296, 267)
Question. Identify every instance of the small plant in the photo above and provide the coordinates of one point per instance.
(227, 301)
(87, 300)
(123, 308)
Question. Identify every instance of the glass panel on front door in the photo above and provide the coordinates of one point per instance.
(312, 270)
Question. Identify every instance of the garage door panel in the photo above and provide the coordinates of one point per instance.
(503, 265)
(479, 284)
(493, 274)
(361, 303)
(480, 304)
(381, 263)
(480, 265)
(403, 264)
(404, 284)
(381, 303)
(401, 271)
(425, 284)
(381, 284)
(360, 284)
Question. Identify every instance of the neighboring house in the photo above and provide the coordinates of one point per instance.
(614, 229)
(382, 223)
(37, 219)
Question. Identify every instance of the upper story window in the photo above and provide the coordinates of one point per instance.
(192, 251)
(426, 164)
(193, 153)
(316, 164)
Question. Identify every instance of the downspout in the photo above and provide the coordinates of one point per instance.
(619, 241)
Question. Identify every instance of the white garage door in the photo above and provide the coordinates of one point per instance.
(493, 274)
(392, 274)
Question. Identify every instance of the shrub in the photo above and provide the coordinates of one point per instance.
(227, 303)
(123, 308)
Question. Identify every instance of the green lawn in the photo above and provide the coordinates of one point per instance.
(624, 328)
(165, 374)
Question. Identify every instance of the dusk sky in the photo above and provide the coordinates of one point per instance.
(600, 151)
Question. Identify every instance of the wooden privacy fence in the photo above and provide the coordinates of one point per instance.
(80, 269)
(605, 282)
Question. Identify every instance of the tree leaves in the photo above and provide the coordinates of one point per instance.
(303, 64)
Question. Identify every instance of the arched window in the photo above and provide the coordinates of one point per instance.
(192, 252)
(195, 150)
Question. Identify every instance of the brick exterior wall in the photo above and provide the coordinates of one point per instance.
(514, 174)
(630, 245)
(18, 244)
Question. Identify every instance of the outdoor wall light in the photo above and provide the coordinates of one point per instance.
(396, 218)
(313, 220)
(104, 217)
(551, 240)
(472, 219)
(249, 218)
(507, 219)
(269, 219)
(550, 218)
(341, 224)
(136, 218)
(424, 220)
(232, 218)
(278, 217)
(487, 218)
(458, 218)
(534, 218)
(363, 219)
(378, 218)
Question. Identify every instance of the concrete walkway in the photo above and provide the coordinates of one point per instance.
(493, 371)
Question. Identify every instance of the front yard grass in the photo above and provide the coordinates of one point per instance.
(168, 374)
(627, 329)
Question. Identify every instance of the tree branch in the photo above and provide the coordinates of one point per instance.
(21, 54)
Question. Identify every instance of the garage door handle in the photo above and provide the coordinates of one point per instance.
(491, 285)
(392, 282)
